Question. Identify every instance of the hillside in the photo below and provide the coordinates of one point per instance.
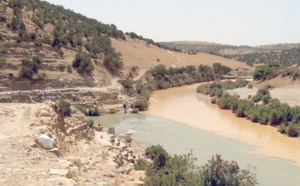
(56, 36)
(224, 49)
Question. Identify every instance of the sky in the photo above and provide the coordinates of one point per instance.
(235, 22)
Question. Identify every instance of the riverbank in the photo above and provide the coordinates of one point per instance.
(86, 156)
(183, 105)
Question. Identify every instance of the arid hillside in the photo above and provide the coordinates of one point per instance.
(138, 53)
(57, 37)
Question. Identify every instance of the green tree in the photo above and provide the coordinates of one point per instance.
(82, 63)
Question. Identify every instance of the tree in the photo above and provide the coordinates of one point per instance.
(82, 63)
(219, 172)
(113, 63)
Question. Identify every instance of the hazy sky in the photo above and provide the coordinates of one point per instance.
(238, 22)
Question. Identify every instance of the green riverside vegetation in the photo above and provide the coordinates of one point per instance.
(161, 77)
(260, 108)
(166, 169)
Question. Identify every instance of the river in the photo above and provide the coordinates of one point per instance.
(179, 120)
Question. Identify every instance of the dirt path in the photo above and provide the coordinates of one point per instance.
(178, 59)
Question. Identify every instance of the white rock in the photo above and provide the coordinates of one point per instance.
(62, 172)
(46, 141)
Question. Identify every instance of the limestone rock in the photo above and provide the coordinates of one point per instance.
(60, 172)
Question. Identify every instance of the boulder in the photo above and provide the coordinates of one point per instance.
(45, 141)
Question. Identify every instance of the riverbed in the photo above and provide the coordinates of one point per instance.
(180, 120)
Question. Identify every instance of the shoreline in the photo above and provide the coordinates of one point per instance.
(265, 139)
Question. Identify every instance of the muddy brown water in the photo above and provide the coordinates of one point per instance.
(181, 120)
(183, 105)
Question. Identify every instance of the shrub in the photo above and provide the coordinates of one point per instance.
(126, 83)
(113, 63)
(32, 35)
(26, 72)
(29, 67)
(61, 67)
(69, 69)
(37, 59)
(3, 19)
(293, 130)
(64, 108)
(141, 164)
(81, 108)
(41, 76)
(82, 63)
(38, 43)
(222, 172)
(141, 104)
(135, 110)
(158, 154)
(92, 112)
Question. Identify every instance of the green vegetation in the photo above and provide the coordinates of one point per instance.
(82, 63)
(141, 164)
(88, 111)
(264, 72)
(64, 108)
(113, 63)
(220, 70)
(29, 67)
(61, 67)
(163, 78)
(92, 112)
(127, 83)
(285, 57)
(222, 172)
(271, 111)
(217, 88)
(166, 169)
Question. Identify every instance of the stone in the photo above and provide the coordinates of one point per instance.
(111, 130)
(60, 172)
(50, 179)
(44, 113)
(55, 151)
(137, 183)
(65, 181)
(34, 145)
(45, 141)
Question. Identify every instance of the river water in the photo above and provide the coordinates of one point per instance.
(180, 121)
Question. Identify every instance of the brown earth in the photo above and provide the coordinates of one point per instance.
(87, 157)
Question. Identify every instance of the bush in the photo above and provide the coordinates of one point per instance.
(135, 111)
(3, 19)
(81, 108)
(69, 69)
(293, 130)
(61, 67)
(29, 67)
(141, 104)
(126, 83)
(82, 63)
(41, 76)
(38, 43)
(64, 108)
(158, 154)
(141, 164)
(113, 63)
(221, 172)
(92, 112)
(37, 59)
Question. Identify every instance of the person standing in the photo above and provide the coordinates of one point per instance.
(125, 107)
